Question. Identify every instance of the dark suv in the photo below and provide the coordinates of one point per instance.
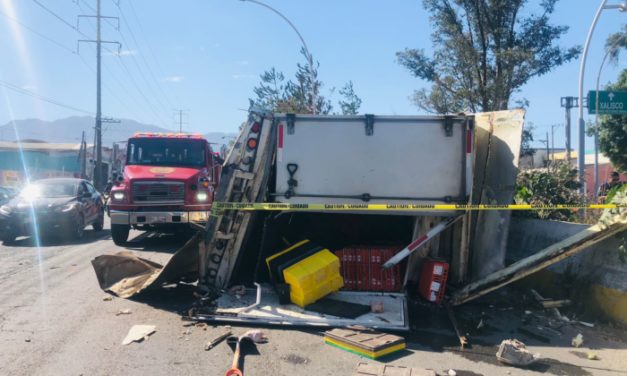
(52, 206)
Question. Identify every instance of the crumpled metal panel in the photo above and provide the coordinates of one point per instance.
(125, 274)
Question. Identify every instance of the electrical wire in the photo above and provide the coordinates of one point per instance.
(142, 55)
(58, 44)
(18, 89)
(131, 76)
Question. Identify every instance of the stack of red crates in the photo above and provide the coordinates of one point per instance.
(362, 268)
(433, 278)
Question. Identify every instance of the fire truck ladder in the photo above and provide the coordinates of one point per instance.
(244, 179)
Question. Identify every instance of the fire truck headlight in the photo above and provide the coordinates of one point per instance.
(118, 196)
(201, 196)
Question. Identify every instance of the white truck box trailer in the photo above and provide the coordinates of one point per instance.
(373, 159)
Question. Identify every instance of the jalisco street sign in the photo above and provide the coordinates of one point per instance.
(610, 102)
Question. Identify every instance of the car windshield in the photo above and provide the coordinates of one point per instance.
(166, 152)
(50, 189)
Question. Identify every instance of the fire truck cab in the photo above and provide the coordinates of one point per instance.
(168, 182)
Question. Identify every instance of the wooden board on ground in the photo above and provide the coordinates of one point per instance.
(371, 369)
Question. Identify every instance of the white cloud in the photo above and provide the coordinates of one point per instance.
(174, 79)
(123, 53)
(242, 76)
(242, 62)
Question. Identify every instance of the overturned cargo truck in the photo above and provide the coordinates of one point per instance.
(345, 183)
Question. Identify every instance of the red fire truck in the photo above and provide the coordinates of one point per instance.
(168, 182)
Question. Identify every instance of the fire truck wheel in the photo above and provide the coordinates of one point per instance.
(119, 233)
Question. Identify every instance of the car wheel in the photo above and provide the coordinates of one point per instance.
(99, 224)
(8, 238)
(79, 228)
(119, 233)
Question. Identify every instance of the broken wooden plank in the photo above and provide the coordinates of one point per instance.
(463, 340)
(542, 259)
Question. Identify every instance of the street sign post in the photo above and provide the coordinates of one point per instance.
(610, 102)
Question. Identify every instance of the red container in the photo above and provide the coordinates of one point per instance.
(362, 268)
(433, 276)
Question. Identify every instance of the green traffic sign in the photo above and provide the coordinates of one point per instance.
(610, 102)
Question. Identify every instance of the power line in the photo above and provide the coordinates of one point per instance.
(18, 89)
(150, 50)
(73, 52)
(141, 55)
(132, 79)
(58, 44)
(59, 17)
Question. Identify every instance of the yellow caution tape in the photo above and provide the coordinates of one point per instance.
(400, 207)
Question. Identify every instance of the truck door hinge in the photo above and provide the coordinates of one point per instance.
(290, 123)
(448, 125)
(369, 124)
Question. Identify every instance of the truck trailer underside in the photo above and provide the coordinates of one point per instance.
(231, 249)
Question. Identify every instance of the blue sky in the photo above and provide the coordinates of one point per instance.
(205, 56)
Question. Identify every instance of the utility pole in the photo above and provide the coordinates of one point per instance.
(180, 118)
(553, 140)
(98, 183)
(546, 143)
(568, 103)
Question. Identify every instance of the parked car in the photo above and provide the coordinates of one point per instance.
(62, 206)
(4, 196)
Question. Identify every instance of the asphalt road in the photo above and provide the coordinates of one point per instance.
(54, 321)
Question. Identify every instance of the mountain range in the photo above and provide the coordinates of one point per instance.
(69, 130)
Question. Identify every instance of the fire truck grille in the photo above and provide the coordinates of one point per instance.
(158, 192)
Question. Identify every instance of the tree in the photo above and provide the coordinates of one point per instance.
(270, 90)
(527, 138)
(554, 185)
(351, 103)
(485, 51)
(613, 130)
(276, 95)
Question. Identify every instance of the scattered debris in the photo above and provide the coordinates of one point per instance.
(463, 340)
(549, 303)
(188, 324)
(543, 302)
(451, 372)
(138, 333)
(588, 324)
(211, 344)
(481, 324)
(515, 353)
(125, 311)
(201, 325)
(239, 290)
(107, 298)
(186, 332)
(256, 336)
(368, 369)
(593, 356)
(377, 307)
(527, 312)
(295, 359)
(27, 340)
(577, 341)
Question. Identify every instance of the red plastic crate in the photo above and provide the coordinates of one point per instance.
(362, 268)
(433, 277)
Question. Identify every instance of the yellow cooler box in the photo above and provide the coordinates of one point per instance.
(312, 277)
